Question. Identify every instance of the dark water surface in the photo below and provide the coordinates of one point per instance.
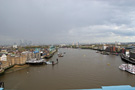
(78, 69)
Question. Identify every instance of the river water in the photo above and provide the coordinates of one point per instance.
(78, 69)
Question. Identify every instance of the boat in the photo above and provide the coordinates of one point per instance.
(35, 61)
(127, 59)
(51, 63)
(128, 67)
(60, 55)
(48, 62)
(123, 67)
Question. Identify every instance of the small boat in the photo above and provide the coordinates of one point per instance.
(35, 61)
(60, 55)
(48, 62)
(51, 63)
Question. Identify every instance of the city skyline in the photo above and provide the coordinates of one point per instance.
(68, 21)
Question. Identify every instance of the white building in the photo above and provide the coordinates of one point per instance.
(14, 46)
(104, 47)
(3, 57)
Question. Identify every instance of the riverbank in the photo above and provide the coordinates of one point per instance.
(13, 68)
(2, 71)
(16, 68)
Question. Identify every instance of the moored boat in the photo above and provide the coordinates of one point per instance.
(51, 62)
(123, 67)
(127, 59)
(128, 67)
(35, 61)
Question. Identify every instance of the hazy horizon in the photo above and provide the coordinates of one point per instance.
(66, 21)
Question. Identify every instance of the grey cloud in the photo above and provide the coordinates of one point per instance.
(103, 31)
(50, 21)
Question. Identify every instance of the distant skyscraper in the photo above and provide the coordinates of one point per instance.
(21, 42)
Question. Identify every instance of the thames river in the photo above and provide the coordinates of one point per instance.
(78, 69)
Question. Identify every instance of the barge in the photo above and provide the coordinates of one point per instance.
(35, 61)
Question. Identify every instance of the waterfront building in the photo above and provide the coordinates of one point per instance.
(9, 60)
(4, 51)
(129, 51)
(3, 57)
(105, 46)
(100, 47)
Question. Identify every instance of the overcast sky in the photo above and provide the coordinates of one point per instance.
(67, 21)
